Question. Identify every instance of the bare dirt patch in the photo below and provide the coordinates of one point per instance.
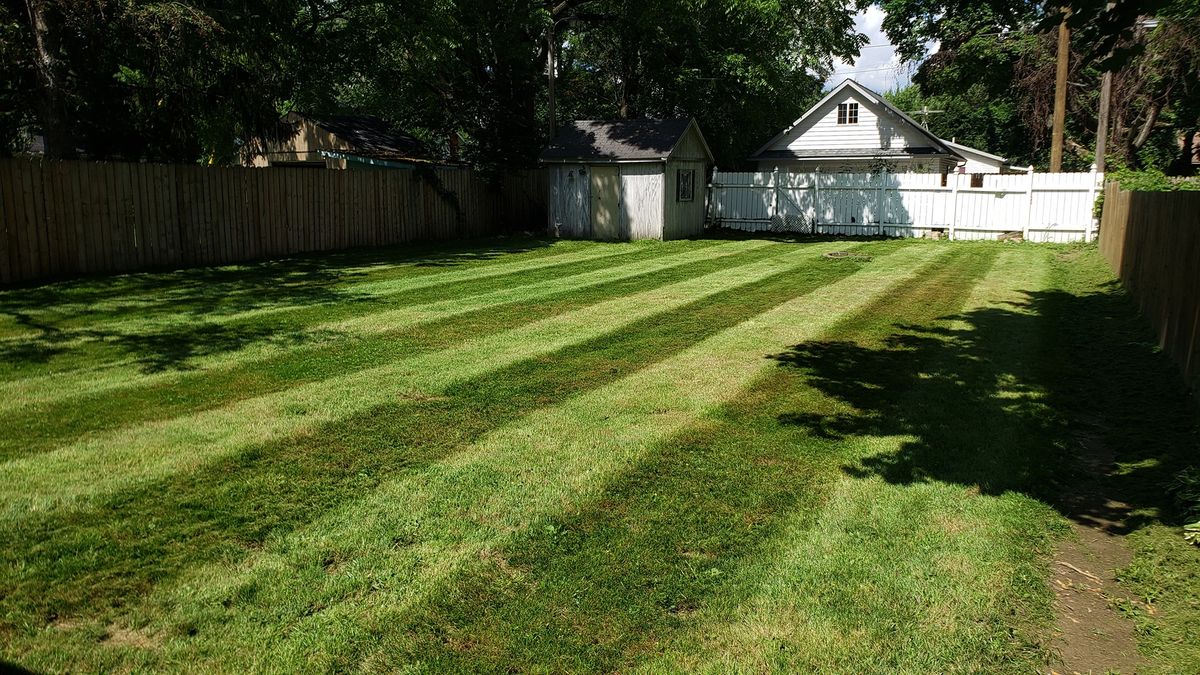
(118, 636)
(1092, 636)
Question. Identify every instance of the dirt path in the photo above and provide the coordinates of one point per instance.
(1091, 635)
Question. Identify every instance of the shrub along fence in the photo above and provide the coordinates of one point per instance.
(1152, 241)
(64, 218)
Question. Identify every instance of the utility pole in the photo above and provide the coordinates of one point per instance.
(1102, 120)
(1060, 95)
(550, 66)
(1102, 116)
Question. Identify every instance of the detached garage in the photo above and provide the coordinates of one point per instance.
(628, 179)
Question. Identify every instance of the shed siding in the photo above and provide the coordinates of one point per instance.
(570, 210)
(690, 146)
(875, 129)
(684, 219)
(300, 148)
(642, 200)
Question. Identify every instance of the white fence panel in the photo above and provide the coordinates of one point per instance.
(1041, 207)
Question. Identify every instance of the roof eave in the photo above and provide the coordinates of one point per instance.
(599, 160)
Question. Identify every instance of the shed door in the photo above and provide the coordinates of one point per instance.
(642, 201)
(569, 189)
(606, 203)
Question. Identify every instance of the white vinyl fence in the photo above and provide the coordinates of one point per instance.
(1042, 207)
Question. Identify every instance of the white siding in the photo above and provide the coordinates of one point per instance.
(642, 200)
(979, 163)
(875, 129)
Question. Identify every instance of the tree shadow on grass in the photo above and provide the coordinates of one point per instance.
(202, 293)
(1011, 399)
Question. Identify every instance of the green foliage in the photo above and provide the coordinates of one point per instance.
(187, 80)
(1152, 180)
(1185, 490)
(995, 69)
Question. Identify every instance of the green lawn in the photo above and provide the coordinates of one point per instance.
(519, 454)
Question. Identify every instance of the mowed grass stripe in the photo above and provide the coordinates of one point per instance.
(228, 292)
(832, 590)
(583, 590)
(324, 337)
(108, 462)
(63, 304)
(175, 342)
(39, 426)
(325, 594)
(151, 533)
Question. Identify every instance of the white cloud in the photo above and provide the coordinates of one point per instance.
(878, 66)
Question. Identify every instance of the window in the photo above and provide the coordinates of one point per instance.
(847, 113)
(685, 185)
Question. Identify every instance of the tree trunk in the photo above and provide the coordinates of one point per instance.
(51, 105)
(1147, 127)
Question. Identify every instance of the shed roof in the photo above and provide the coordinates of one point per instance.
(373, 137)
(618, 140)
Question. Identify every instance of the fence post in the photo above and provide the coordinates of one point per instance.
(816, 199)
(1090, 229)
(710, 206)
(879, 199)
(1028, 205)
(954, 204)
(774, 196)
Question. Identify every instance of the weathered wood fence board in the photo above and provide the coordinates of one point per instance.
(60, 219)
(1152, 241)
(1042, 207)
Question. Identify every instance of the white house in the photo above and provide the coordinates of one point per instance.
(855, 129)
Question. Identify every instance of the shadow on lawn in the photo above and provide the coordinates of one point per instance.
(204, 292)
(983, 413)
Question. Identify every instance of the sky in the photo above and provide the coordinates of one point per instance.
(877, 67)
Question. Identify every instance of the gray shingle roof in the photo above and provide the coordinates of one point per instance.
(615, 140)
(372, 137)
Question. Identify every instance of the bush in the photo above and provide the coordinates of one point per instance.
(1147, 180)
(1152, 180)
(1185, 489)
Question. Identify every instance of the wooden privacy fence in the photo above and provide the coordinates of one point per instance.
(1152, 241)
(60, 218)
(1044, 207)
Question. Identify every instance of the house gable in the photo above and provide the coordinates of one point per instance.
(881, 129)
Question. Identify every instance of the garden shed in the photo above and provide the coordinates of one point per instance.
(627, 179)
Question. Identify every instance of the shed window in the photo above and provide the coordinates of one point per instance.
(847, 113)
(685, 185)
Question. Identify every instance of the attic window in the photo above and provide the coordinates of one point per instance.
(685, 185)
(847, 113)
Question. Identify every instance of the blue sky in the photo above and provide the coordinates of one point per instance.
(877, 67)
